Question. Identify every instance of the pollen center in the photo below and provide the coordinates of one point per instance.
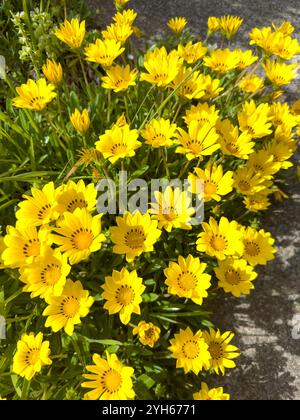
(51, 274)
(191, 349)
(32, 249)
(252, 248)
(215, 350)
(135, 238)
(218, 243)
(210, 188)
(125, 295)
(187, 281)
(71, 307)
(33, 357)
(233, 277)
(83, 240)
(112, 381)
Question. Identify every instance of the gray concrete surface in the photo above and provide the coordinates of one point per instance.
(265, 322)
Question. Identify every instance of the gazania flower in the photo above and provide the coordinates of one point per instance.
(235, 276)
(119, 78)
(280, 74)
(191, 53)
(177, 24)
(247, 181)
(103, 52)
(233, 142)
(258, 246)
(121, 3)
(148, 333)
(159, 133)
(38, 209)
(263, 164)
(32, 354)
(222, 61)
(192, 87)
(2, 249)
(202, 113)
(220, 240)
(162, 67)
(118, 32)
(79, 234)
(134, 234)
(188, 279)
(221, 351)
(255, 120)
(80, 120)
(286, 47)
(34, 95)
(246, 59)
(216, 183)
(123, 294)
(281, 152)
(213, 88)
(286, 28)
(46, 275)
(251, 84)
(214, 394)
(71, 33)
(118, 143)
(265, 38)
(229, 25)
(258, 202)
(71, 196)
(65, 311)
(109, 379)
(201, 140)
(172, 209)
(213, 24)
(22, 244)
(53, 71)
(125, 17)
(190, 351)
(281, 115)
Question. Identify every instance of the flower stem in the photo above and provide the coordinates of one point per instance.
(25, 389)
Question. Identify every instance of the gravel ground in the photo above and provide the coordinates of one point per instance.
(267, 323)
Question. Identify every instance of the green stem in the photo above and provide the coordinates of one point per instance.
(25, 389)
(84, 75)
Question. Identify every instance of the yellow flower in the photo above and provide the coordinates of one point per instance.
(3, 399)
(71, 33)
(281, 115)
(71, 196)
(162, 67)
(32, 354)
(213, 88)
(109, 379)
(286, 47)
(286, 28)
(123, 294)
(118, 32)
(103, 52)
(235, 276)
(22, 244)
(222, 61)
(80, 120)
(121, 121)
(247, 181)
(222, 353)
(233, 142)
(246, 59)
(201, 140)
(213, 394)
(263, 164)
(46, 275)
(134, 234)
(118, 143)
(191, 53)
(265, 39)
(125, 17)
(258, 202)
(34, 95)
(38, 209)
(79, 235)
(229, 25)
(251, 83)
(172, 209)
(53, 71)
(258, 246)
(121, 3)
(2, 249)
(159, 133)
(65, 311)
(190, 87)
(190, 351)
(254, 120)
(202, 113)
(280, 74)
(220, 240)
(281, 152)
(187, 279)
(213, 24)
(119, 78)
(216, 183)
(177, 24)
(148, 333)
